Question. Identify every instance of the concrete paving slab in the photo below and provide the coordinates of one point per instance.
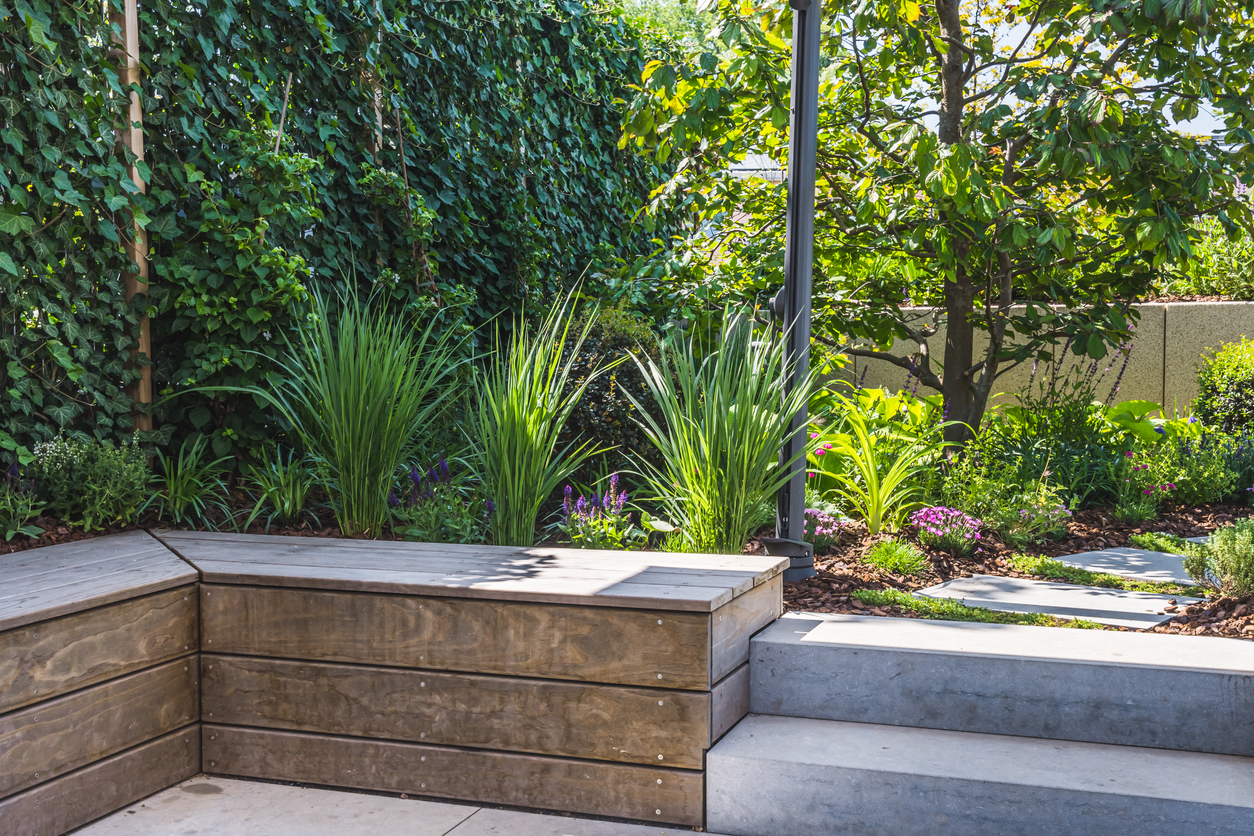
(1162, 567)
(1115, 607)
(211, 806)
(1191, 693)
(513, 823)
(1205, 539)
(784, 776)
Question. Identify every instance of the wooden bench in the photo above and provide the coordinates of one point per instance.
(587, 682)
(99, 690)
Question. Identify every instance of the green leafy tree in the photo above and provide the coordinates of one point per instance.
(1014, 167)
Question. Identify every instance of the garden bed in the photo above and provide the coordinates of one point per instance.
(843, 570)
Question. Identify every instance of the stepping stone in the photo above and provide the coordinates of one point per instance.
(1205, 539)
(1139, 564)
(1115, 607)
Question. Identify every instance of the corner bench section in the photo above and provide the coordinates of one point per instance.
(99, 679)
(580, 681)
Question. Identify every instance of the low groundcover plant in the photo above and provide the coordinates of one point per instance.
(599, 521)
(947, 528)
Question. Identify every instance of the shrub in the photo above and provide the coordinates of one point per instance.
(1020, 515)
(897, 557)
(192, 491)
(605, 415)
(822, 529)
(283, 483)
(525, 399)
(947, 528)
(1189, 469)
(724, 419)
(1231, 557)
(599, 522)
(18, 506)
(91, 483)
(1225, 383)
(436, 509)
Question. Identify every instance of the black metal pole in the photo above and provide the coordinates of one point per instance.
(792, 304)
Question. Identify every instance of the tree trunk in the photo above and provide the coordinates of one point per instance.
(959, 351)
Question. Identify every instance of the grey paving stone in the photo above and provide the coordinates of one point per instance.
(1115, 607)
(512, 823)
(1205, 539)
(785, 776)
(1132, 563)
(223, 807)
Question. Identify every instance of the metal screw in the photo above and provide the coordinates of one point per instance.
(659, 702)
(659, 676)
(659, 757)
(659, 780)
(659, 812)
(659, 621)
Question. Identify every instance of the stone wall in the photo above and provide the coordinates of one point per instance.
(1167, 346)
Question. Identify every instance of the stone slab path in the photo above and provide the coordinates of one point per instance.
(208, 805)
(1115, 607)
(1133, 563)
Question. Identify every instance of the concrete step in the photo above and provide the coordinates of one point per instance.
(1138, 564)
(1115, 607)
(1138, 689)
(784, 776)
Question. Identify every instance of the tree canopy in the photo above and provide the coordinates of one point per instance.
(1015, 168)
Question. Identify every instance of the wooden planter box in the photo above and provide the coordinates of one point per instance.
(586, 682)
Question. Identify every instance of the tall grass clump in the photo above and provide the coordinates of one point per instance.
(723, 419)
(357, 388)
(525, 397)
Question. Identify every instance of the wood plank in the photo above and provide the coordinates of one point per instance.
(73, 800)
(49, 658)
(586, 644)
(197, 542)
(48, 739)
(601, 722)
(671, 796)
(729, 703)
(734, 623)
(408, 567)
(44, 583)
(573, 592)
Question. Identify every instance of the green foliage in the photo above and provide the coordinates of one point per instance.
(192, 491)
(456, 157)
(1024, 196)
(66, 328)
(89, 482)
(1225, 383)
(1045, 567)
(945, 609)
(357, 388)
(897, 557)
(682, 20)
(1227, 559)
(878, 473)
(1222, 265)
(1187, 469)
(436, 508)
(19, 508)
(725, 416)
(283, 483)
(524, 399)
(988, 487)
(822, 529)
(605, 414)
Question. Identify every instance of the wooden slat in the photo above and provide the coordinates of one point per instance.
(729, 703)
(734, 623)
(572, 592)
(671, 796)
(48, 739)
(639, 580)
(602, 722)
(49, 658)
(44, 583)
(73, 800)
(587, 644)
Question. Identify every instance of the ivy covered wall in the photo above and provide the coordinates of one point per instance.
(457, 158)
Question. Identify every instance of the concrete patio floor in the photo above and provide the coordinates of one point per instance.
(212, 806)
